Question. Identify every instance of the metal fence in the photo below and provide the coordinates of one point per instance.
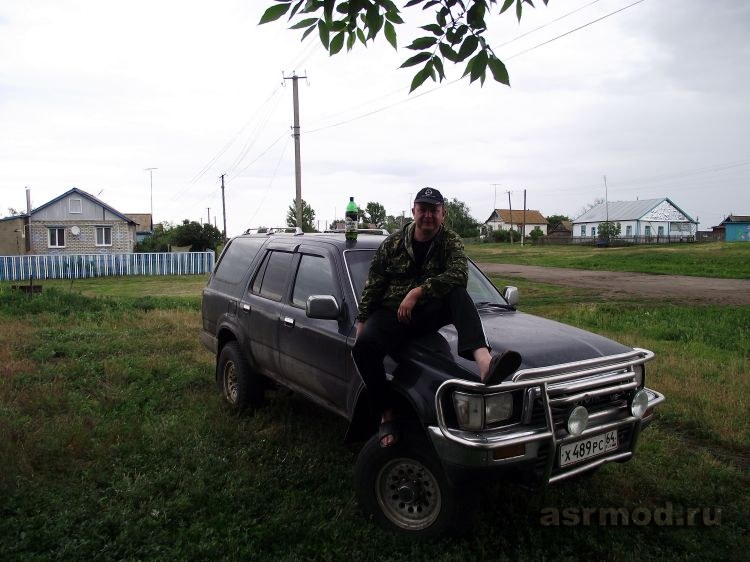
(78, 266)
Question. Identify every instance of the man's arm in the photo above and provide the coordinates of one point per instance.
(456, 273)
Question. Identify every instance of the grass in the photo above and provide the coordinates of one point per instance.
(114, 445)
(716, 259)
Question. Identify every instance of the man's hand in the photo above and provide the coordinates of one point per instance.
(360, 327)
(408, 304)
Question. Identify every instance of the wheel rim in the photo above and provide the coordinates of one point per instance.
(230, 382)
(408, 494)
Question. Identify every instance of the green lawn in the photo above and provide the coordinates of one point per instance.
(114, 445)
(716, 259)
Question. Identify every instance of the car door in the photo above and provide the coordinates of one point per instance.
(313, 352)
(260, 309)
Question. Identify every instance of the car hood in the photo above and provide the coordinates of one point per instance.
(541, 342)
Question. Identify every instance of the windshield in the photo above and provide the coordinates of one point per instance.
(479, 287)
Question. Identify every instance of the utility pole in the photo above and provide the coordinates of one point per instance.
(511, 217)
(523, 230)
(224, 208)
(606, 200)
(208, 216)
(151, 173)
(295, 134)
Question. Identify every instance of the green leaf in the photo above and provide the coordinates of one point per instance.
(422, 43)
(507, 4)
(499, 72)
(416, 59)
(297, 6)
(324, 33)
(434, 28)
(308, 32)
(307, 22)
(338, 25)
(328, 10)
(475, 16)
(361, 36)
(438, 64)
(390, 34)
(273, 13)
(394, 17)
(337, 43)
(350, 40)
(448, 53)
(420, 77)
(441, 16)
(519, 8)
(479, 67)
(411, 3)
(468, 47)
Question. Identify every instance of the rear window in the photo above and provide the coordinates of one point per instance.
(236, 259)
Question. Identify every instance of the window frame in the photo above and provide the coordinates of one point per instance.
(96, 236)
(57, 230)
(80, 206)
(292, 288)
(261, 275)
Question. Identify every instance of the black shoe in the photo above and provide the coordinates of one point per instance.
(502, 366)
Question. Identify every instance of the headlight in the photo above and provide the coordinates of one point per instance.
(469, 410)
(639, 403)
(578, 420)
(639, 371)
(498, 407)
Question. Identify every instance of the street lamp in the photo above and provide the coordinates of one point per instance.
(151, 173)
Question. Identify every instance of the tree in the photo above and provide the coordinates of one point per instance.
(456, 35)
(556, 220)
(190, 233)
(458, 219)
(536, 234)
(374, 213)
(608, 230)
(308, 216)
(588, 206)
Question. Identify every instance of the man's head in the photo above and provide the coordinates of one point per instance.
(429, 213)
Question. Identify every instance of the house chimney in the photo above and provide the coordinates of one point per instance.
(28, 201)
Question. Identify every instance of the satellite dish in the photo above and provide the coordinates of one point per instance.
(75, 231)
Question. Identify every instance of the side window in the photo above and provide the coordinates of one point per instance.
(238, 257)
(314, 277)
(270, 280)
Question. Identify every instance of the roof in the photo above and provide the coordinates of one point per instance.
(517, 217)
(142, 221)
(625, 210)
(736, 218)
(87, 196)
(14, 217)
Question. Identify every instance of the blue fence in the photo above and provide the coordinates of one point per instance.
(78, 266)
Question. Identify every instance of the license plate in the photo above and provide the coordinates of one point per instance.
(588, 448)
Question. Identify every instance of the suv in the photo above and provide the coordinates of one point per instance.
(281, 308)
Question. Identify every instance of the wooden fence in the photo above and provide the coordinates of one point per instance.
(78, 266)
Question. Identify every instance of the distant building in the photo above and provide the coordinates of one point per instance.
(76, 222)
(658, 219)
(562, 230)
(504, 219)
(736, 228)
(144, 225)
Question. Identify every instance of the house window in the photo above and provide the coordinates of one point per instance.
(103, 235)
(583, 230)
(648, 231)
(56, 237)
(593, 231)
(661, 231)
(75, 206)
(629, 230)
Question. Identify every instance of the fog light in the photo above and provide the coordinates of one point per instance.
(639, 403)
(638, 371)
(578, 420)
(469, 410)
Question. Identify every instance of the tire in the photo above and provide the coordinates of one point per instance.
(240, 387)
(404, 488)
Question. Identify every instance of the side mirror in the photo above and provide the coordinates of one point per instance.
(511, 295)
(324, 307)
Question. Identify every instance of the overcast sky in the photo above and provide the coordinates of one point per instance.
(94, 91)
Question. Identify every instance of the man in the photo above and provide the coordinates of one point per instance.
(417, 284)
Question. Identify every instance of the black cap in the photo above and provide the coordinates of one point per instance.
(429, 195)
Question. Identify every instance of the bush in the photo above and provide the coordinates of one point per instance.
(501, 235)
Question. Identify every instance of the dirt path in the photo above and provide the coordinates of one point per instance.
(618, 284)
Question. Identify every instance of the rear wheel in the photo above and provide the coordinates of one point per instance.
(405, 489)
(240, 387)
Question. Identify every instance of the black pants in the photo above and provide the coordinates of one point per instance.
(383, 334)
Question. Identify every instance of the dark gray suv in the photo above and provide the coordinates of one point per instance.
(281, 308)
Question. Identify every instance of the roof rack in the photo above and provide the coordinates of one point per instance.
(293, 230)
(376, 231)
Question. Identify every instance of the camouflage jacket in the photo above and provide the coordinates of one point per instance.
(393, 271)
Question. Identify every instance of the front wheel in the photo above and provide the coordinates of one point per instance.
(405, 489)
(240, 387)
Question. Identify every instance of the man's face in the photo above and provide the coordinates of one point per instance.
(428, 218)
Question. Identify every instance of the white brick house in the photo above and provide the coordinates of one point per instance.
(647, 218)
(76, 222)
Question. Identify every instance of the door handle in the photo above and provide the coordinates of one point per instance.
(246, 307)
(289, 322)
